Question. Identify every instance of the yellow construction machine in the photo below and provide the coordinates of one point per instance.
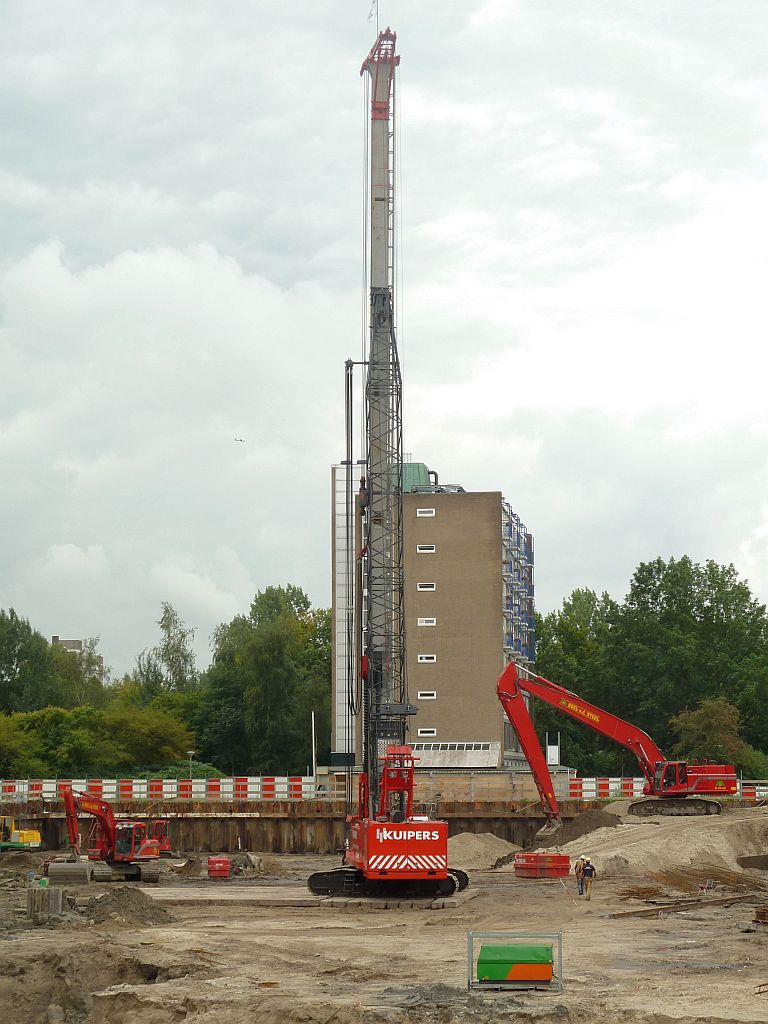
(13, 838)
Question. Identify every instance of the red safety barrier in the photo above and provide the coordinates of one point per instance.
(295, 787)
(542, 865)
(9, 788)
(35, 788)
(185, 789)
(212, 789)
(749, 792)
(155, 789)
(60, 783)
(575, 788)
(125, 789)
(95, 787)
(627, 787)
(268, 787)
(241, 788)
(603, 789)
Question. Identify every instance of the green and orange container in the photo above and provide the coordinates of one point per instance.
(516, 962)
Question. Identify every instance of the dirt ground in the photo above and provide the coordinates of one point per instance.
(319, 964)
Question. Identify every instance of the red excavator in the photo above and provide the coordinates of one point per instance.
(119, 849)
(678, 787)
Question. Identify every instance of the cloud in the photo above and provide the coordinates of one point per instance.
(144, 370)
(581, 215)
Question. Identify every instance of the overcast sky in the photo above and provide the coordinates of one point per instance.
(584, 208)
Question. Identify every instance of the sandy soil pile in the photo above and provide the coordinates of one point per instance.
(20, 861)
(253, 865)
(582, 825)
(658, 844)
(243, 865)
(478, 851)
(126, 906)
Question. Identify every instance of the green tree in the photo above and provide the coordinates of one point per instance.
(148, 736)
(19, 753)
(170, 665)
(270, 670)
(79, 675)
(288, 602)
(685, 633)
(711, 732)
(90, 741)
(271, 696)
(570, 652)
(27, 668)
(74, 741)
(175, 651)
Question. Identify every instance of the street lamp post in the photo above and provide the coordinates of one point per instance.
(190, 754)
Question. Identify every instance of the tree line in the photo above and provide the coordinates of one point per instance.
(684, 656)
(248, 713)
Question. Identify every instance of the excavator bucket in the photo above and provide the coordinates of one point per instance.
(550, 828)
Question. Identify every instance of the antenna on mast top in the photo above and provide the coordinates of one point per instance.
(374, 12)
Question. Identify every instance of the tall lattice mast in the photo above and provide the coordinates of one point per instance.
(384, 690)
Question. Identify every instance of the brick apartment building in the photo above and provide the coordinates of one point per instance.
(468, 574)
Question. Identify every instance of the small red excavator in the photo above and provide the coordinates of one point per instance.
(676, 786)
(119, 849)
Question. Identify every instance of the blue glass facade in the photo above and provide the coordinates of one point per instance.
(517, 585)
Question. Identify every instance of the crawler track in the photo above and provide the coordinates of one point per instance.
(348, 881)
(686, 807)
(66, 872)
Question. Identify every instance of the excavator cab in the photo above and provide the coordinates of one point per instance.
(129, 836)
(670, 777)
(158, 831)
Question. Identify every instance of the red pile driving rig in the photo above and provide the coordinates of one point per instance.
(679, 787)
(396, 852)
(389, 849)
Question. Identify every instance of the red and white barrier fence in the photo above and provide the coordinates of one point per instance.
(242, 787)
(295, 787)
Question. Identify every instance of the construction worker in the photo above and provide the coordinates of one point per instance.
(588, 872)
(578, 870)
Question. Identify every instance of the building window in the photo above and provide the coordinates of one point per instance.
(425, 513)
(427, 695)
(426, 659)
(427, 732)
(425, 549)
(427, 620)
(426, 586)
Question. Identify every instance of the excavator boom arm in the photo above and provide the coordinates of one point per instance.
(510, 690)
(83, 803)
(70, 808)
(595, 718)
(516, 710)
